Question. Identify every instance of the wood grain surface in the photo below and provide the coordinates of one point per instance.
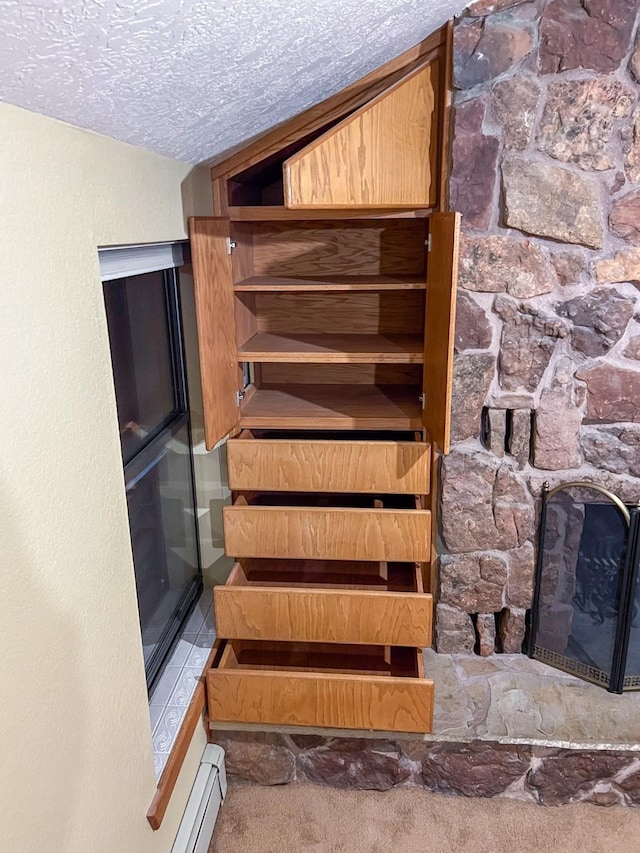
(309, 696)
(372, 312)
(317, 248)
(382, 155)
(382, 467)
(323, 615)
(332, 407)
(332, 373)
(213, 284)
(328, 574)
(337, 533)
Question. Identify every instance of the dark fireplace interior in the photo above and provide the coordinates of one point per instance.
(585, 617)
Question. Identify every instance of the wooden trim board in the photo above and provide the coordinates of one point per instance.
(169, 776)
(322, 284)
(266, 213)
(213, 286)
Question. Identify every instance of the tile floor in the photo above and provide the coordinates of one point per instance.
(171, 696)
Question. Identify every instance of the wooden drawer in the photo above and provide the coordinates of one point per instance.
(290, 603)
(383, 467)
(362, 687)
(327, 532)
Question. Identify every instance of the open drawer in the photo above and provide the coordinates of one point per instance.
(328, 464)
(362, 687)
(295, 527)
(325, 602)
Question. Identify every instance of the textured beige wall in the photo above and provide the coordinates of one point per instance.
(76, 764)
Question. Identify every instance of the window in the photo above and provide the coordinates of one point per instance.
(145, 333)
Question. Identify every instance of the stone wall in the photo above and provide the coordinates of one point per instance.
(543, 775)
(546, 165)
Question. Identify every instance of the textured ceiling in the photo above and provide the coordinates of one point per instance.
(193, 78)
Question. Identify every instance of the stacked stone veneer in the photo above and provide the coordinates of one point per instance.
(546, 165)
(480, 769)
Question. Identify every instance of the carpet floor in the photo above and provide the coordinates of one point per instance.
(305, 818)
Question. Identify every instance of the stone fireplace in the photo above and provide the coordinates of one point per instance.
(546, 165)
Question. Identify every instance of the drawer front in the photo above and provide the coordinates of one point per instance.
(379, 703)
(383, 467)
(323, 615)
(318, 533)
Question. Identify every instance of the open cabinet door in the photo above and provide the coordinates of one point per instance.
(213, 281)
(440, 321)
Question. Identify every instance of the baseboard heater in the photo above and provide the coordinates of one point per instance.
(207, 794)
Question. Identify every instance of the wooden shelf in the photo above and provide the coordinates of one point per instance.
(333, 349)
(265, 213)
(277, 284)
(333, 407)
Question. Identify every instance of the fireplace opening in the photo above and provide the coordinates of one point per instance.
(586, 611)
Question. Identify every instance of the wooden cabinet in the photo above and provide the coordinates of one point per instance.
(337, 319)
(325, 296)
(382, 155)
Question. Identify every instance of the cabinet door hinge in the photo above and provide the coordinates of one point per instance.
(231, 245)
(421, 398)
(239, 398)
(427, 243)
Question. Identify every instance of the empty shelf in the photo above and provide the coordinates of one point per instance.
(333, 407)
(335, 349)
(270, 283)
(262, 213)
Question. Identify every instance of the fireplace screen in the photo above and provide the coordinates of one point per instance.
(586, 612)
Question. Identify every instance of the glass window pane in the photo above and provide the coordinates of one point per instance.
(141, 357)
(163, 533)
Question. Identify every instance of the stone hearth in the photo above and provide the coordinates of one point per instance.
(504, 726)
(546, 165)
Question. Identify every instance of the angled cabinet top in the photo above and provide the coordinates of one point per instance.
(382, 155)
